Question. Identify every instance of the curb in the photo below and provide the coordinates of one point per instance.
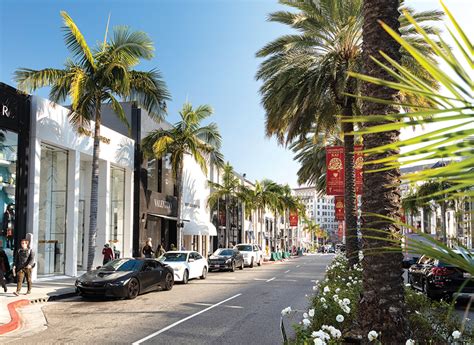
(15, 318)
(61, 296)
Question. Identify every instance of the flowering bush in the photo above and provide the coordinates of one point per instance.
(332, 317)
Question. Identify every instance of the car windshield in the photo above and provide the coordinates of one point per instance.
(123, 265)
(244, 248)
(224, 252)
(174, 257)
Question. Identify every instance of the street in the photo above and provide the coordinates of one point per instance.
(232, 308)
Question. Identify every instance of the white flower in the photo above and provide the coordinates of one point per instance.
(336, 334)
(408, 285)
(410, 342)
(372, 335)
(456, 335)
(321, 335)
(346, 301)
(325, 306)
(336, 298)
(305, 315)
(315, 288)
(318, 341)
(340, 318)
(311, 313)
(323, 300)
(337, 290)
(348, 284)
(346, 309)
(326, 289)
(306, 323)
(286, 311)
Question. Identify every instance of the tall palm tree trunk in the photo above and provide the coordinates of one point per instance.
(94, 189)
(382, 307)
(227, 222)
(179, 198)
(352, 243)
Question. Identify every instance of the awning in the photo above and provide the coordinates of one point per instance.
(162, 216)
(199, 228)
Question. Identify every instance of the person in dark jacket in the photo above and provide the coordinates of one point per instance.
(4, 267)
(147, 250)
(107, 253)
(159, 251)
(22, 265)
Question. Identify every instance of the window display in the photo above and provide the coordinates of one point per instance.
(8, 160)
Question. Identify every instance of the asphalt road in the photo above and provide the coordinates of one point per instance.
(226, 308)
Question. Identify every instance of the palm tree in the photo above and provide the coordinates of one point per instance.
(382, 304)
(290, 204)
(410, 205)
(230, 190)
(305, 81)
(186, 137)
(93, 77)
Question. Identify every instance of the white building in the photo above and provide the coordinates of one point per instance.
(58, 200)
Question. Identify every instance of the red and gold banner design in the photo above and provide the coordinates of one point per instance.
(293, 219)
(340, 231)
(339, 207)
(358, 168)
(334, 170)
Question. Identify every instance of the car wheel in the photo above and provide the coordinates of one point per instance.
(426, 290)
(242, 265)
(204, 273)
(133, 288)
(251, 263)
(260, 262)
(185, 277)
(168, 281)
(232, 268)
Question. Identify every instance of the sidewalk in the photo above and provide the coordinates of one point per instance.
(42, 291)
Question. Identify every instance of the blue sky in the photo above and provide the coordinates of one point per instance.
(205, 50)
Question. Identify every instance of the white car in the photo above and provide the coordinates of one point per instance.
(186, 265)
(252, 254)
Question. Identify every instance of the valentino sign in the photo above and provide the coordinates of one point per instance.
(162, 204)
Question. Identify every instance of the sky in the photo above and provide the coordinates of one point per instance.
(205, 50)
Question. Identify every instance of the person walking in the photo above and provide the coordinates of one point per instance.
(147, 250)
(160, 251)
(107, 253)
(22, 265)
(4, 267)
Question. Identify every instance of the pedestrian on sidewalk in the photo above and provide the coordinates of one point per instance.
(107, 253)
(147, 250)
(4, 267)
(160, 251)
(22, 265)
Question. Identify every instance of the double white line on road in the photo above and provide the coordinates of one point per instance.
(183, 320)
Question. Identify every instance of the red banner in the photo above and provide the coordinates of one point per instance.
(339, 207)
(340, 231)
(334, 170)
(358, 167)
(293, 219)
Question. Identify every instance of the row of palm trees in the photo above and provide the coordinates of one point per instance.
(307, 89)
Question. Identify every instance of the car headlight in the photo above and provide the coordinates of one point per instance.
(118, 283)
(228, 261)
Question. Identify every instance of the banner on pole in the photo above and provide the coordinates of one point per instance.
(340, 231)
(358, 168)
(334, 170)
(339, 207)
(293, 219)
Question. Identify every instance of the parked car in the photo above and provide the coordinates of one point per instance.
(186, 265)
(340, 247)
(437, 279)
(126, 278)
(252, 254)
(226, 259)
(408, 261)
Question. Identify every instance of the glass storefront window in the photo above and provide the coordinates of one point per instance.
(154, 177)
(8, 160)
(117, 208)
(52, 211)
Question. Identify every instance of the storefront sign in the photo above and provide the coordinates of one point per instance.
(89, 133)
(293, 219)
(334, 170)
(339, 207)
(358, 168)
(161, 204)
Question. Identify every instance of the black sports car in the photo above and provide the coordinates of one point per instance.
(226, 259)
(126, 278)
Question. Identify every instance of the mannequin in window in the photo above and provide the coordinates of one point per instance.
(9, 224)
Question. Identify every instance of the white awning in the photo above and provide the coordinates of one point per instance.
(199, 228)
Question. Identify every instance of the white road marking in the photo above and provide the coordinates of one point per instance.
(287, 271)
(286, 280)
(183, 320)
(298, 266)
(269, 280)
(226, 306)
(258, 279)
